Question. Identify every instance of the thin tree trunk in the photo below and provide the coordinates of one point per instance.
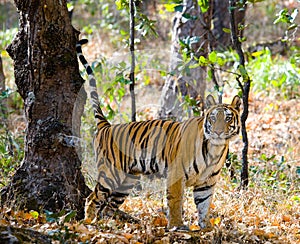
(245, 87)
(48, 80)
(186, 82)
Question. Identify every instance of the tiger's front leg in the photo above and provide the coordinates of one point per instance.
(202, 198)
(174, 196)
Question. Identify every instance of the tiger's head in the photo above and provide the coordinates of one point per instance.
(222, 121)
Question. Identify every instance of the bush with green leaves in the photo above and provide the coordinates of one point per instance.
(11, 145)
(275, 74)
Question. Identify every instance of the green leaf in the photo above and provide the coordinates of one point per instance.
(203, 60)
(295, 198)
(53, 217)
(242, 39)
(120, 4)
(258, 53)
(283, 16)
(193, 66)
(170, 7)
(178, 8)
(212, 57)
(226, 30)
(34, 214)
(69, 216)
(188, 16)
(204, 5)
(221, 61)
(242, 70)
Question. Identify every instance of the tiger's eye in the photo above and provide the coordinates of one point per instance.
(228, 118)
(213, 118)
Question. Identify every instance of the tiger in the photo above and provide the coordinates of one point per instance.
(190, 153)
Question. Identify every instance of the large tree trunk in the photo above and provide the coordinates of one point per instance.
(48, 80)
(181, 83)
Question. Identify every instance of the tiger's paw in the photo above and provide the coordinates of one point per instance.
(121, 215)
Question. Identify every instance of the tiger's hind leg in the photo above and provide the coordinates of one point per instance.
(118, 197)
(96, 202)
(105, 202)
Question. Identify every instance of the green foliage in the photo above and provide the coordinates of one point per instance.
(289, 21)
(11, 154)
(204, 5)
(193, 104)
(274, 174)
(268, 172)
(285, 17)
(11, 145)
(275, 74)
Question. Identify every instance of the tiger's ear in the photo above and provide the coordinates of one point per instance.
(236, 102)
(210, 101)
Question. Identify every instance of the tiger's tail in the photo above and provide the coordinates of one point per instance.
(99, 116)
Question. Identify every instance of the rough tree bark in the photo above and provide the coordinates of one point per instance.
(190, 83)
(221, 20)
(48, 80)
(194, 84)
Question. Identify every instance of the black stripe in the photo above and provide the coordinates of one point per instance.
(204, 188)
(201, 200)
(101, 188)
(83, 41)
(82, 59)
(215, 173)
(184, 170)
(89, 70)
(119, 194)
(93, 82)
(167, 134)
(153, 164)
(195, 166)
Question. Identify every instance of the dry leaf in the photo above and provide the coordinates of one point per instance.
(128, 236)
(259, 232)
(160, 221)
(215, 221)
(286, 218)
(194, 227)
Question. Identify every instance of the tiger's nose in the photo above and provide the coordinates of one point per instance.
(218, 132)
